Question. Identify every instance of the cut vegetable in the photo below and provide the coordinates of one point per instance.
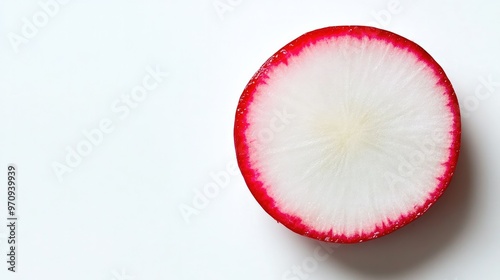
(348, 133)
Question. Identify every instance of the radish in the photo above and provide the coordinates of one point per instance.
(347, 133)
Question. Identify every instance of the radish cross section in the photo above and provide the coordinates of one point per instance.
(347, 133)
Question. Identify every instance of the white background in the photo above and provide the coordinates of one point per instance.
(116, 215)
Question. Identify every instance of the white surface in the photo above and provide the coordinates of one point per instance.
(116, 215)
(337, 135)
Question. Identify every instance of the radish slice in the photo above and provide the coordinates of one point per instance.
(347, 133)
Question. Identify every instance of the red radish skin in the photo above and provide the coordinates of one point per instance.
(252, 175)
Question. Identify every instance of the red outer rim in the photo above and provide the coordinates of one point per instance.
(251, 176)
